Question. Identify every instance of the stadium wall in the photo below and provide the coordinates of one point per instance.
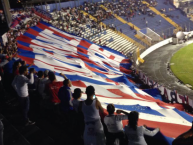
(170, 96)
(154, 47)
(144, 35)
(154, 36)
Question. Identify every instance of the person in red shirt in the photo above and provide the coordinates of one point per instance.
(53, 87)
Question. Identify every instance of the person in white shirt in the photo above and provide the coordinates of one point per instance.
(20, 84)
(135, 133)
(114, 125)
(93, 132)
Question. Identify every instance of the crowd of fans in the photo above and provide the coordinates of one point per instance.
(56, 96)
(69, 18)
(2, 18)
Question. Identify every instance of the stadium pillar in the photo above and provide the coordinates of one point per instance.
(59, 5)
(56, 5)
(41, 4)
(6, 8)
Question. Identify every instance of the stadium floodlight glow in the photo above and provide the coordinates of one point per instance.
(180, 35)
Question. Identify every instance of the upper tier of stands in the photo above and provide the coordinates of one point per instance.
(89, 29)
(162, 22)
(131, 16)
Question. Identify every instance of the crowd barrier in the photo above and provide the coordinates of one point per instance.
(171, 96)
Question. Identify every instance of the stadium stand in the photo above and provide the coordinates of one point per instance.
(98, 34)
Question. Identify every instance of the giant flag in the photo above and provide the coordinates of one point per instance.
(86, 63)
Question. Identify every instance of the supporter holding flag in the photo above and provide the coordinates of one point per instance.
(53, 88)
(20, 84)
(114, 125)
(135, 133)
(185, 138)
(93, 132)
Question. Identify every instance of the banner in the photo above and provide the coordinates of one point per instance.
(4, 38)
(171, 96)
(43, 14)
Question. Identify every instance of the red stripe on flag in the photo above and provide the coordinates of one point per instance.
(93, 69)
(120, 93)
(78, 84)
(112, 57)
(85, 43)
(43, 27)
(108, 80)
(24, 47)
(124, 70)
(27, 59)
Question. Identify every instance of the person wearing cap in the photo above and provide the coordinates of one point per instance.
(76, 98)
(114, 125)
(93, 132)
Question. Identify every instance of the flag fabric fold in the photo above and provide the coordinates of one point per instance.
(86, 63)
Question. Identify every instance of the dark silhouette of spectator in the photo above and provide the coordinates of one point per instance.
(121, 30)
(1, 131)
(76, 98)
(114, 125)
(16, 67)
(135, 133)
(185, 138)
(42, 82)
(78, 115)
(65, 95)
(93, 132)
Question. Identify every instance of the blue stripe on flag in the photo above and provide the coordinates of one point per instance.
(30, 35)
(85, 79)
(25, 53)
(139, 108)
(82, 47)
(99, 55)
(83, 54)
(23, 43)
(36, 29)
(97, 67)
